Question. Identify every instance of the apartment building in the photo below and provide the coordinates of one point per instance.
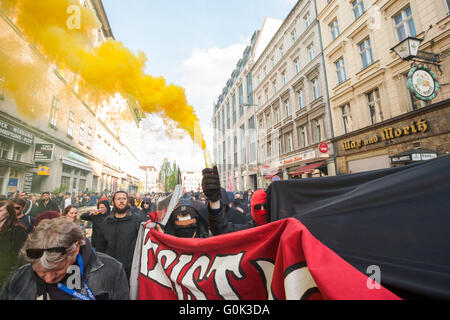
(378, 121)
(50, 138)
(291, 101)
(233, 117)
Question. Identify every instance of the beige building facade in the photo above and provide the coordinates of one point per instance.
(50, 137)
(368, 82)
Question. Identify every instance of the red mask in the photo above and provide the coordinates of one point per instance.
(260, 216)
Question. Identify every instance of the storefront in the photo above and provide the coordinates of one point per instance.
(418, 135)
(16, 145)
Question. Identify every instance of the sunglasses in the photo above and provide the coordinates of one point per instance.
(259, 206)
(37, 253)
(18, 208)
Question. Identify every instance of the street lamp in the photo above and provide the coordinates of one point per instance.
(408, 49)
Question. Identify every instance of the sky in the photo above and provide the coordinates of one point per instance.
(194, 44)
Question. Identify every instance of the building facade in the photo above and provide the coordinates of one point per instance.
(292, 112)
(191, 180)
(151, 179)
(52, 140)
(234, 149)
(378, 121)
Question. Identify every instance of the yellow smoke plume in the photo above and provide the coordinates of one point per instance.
(102, 71)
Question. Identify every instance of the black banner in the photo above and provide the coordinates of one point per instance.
(397, 219)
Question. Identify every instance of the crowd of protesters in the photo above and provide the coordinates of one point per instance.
(41, 239)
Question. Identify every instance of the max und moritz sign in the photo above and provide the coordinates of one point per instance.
(415, 127)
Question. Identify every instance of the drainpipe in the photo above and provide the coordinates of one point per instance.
(326, 86)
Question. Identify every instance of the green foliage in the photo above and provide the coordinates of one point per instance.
(168, 175)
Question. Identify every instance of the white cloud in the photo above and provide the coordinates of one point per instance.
(203, 75)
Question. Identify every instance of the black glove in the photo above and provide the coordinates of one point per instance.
(211, 184)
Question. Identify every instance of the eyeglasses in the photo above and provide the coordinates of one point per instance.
(259, 206)
(37, 253)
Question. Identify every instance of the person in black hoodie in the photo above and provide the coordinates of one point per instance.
(96, 217)
(117, 234)
(146, 208)
(63, 266)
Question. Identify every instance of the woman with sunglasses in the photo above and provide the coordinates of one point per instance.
(63, 266)
(12, 236)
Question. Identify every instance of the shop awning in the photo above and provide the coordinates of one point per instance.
(307, 169)
(413, 155)
(270, 175)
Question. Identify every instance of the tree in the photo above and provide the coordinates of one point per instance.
(168, 175)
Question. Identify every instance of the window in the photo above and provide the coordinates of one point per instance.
(340, 70)
(241, 100)
(301, 99)
(235, 150)
(268, 124)
(287, 109)
(358, 8)
(81, 135)
(272, 61)
(4, 149)
(89, 138)
(310, 50)
(242, 140)
(346, 118)
(277, 115)
(281, 51)
(366, 53)
(252, 138)
(317, 130)
(283, 77)
(54, 113)
(229, 153)
(233, 106)
(294, 36)
(302, 137)
(404, 24)
(373, 100)
(223, 120)
(315, 87)
(269, 149)
(274, 86)
(307, 20)
(70, 125)
(288, 142)
(18, 152)
(65, 181)
(228, 116)
(249, 88)
(74, 183)
(334, 28)
(297, 65)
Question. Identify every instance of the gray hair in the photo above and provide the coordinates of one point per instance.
(53, 233)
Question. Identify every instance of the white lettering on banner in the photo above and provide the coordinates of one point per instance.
(299, 282)
(223, 265)
(266, 267)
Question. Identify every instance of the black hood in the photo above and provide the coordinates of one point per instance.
(106, 204)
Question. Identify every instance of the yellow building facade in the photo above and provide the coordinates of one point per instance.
(371, 104)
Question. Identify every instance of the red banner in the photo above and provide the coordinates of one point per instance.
(280, 260)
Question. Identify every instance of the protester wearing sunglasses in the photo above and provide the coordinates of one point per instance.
(12, 236)
(63, 266)
(19, 206)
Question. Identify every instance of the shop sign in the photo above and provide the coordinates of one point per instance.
(43, 152)
(12, 185)
(304, 156)
(422, 82)
(11, 132)
(401, 159)
(28, 181)
(421, 126)
(43, 171)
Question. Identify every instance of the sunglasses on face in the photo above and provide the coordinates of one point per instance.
(37, 253)
(259, 206)
(18, 208)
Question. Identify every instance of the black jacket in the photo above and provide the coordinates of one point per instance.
(117, 238)
(96, 220)
(10, 243)
(221, 223)
(50, 206)
(104, 276)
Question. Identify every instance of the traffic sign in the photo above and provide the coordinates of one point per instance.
(323, 147)
(275, 178)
